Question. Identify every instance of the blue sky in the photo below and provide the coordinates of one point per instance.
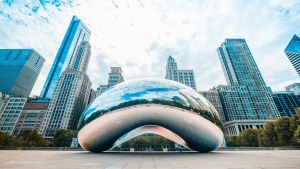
(139, 35)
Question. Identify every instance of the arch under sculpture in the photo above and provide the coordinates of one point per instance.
(158, 106)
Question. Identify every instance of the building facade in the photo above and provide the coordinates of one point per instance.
(251, 99)
(183, 76)
(214, 98)
(77, 32)
(92, 95)
(32, 115)
(295, 88)
(292, 51)
(11, 113)
(286, 103)
(70, 96)
(114, 77)
(19, 69)
(3, 101)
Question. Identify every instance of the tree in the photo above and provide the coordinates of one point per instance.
(63, 138)
(6, 140)
(248, 138)
(31, 138)
(297, 135)
(231, 141)
(282, 129)
(295, 123)
(267, 136)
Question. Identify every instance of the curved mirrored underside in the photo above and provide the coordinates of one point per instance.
(163, 107)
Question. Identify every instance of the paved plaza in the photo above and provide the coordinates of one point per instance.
(219, 159)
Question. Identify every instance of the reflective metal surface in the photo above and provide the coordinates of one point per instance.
(125, 107)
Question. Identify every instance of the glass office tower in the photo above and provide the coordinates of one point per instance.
(19, 69)
(71, 94)
(76, 33)
(292, 51)
(240, 69)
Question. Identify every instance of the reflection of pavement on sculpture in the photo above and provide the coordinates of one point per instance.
(163, 107)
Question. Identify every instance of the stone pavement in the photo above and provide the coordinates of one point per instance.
(219, 159)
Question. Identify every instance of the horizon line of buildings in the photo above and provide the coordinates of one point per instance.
(245, 102)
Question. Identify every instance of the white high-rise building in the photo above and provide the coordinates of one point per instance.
(70, 96)
(114, 77)
(183, 76)
(10, 110)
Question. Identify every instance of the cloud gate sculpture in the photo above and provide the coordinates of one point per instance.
(158, 106)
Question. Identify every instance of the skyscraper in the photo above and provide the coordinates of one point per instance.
(19, 69)
(10, 113)
(286, 103)
(114, 77)
(244, 79)
(183, 76)
(292, 51)
(295, 88)
(71, 94)
(76, 33)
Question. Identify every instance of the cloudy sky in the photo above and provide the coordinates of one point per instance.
(139, 35)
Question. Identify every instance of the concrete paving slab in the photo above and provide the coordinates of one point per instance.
(219, 159)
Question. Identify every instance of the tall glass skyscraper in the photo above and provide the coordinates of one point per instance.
(244, 79)
(76, 33)
(71, 94)
(19, 69)
(292, 51)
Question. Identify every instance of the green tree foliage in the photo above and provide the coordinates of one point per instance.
(267, 137)
(63, 138)
(297, 135)
(6, 140)
(283, 131)
(231, 141)
(31, 138)
(248, 138)
(295, 123)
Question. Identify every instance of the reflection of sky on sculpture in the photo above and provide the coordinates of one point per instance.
(147, 89)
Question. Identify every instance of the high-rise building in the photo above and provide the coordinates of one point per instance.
(70, 96)
(11, 113)
(32, 115)
(92, 96)
(246, 85)
(183, 76)
(295, 88)
(114, 77)
(214, 98)
(292, 51)
(19, 69)
(3, 101)
(286, 103)
(101, 89)
(76, 33)
(238, 111)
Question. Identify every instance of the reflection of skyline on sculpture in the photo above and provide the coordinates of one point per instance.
(146, 91)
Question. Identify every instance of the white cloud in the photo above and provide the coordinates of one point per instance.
(140, 35)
